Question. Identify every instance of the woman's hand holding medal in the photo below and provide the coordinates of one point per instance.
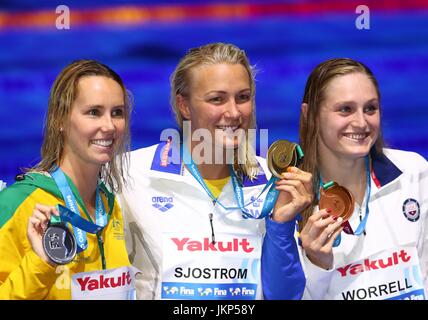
(336, 206)
(37, 226)
(295, 185)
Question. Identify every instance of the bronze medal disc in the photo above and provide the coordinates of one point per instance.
(339, 200)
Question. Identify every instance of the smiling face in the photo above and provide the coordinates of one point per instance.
(219, 100)
(349, 117)
(96, 124)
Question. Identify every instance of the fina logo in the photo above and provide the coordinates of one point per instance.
(162, 203)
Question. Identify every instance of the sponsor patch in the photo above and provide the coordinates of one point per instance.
(411, 209)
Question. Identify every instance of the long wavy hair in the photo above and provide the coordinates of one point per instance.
(62, 95)
(314, 95)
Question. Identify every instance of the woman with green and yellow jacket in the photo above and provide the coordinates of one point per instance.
(61, 229)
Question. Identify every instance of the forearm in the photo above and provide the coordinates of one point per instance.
(32, 279)
(282, 273)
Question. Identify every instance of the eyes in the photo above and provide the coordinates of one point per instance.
(221, 98)
(97, 111)
(347, 109)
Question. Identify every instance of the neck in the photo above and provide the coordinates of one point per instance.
(213, 171)
(85, 178)
(349, 173)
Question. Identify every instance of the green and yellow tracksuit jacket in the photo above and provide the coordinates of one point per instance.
(23, 274)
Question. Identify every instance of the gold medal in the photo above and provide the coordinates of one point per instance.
(281, 155)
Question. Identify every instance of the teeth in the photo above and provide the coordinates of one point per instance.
(103, 143)
(228, 128)
(356, 136)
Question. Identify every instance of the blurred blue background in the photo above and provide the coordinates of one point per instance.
(143, 41)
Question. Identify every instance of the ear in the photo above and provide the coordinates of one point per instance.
(304, 109)
(182, 105)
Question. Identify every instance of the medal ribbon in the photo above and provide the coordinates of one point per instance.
(268, 204)
(71, 213)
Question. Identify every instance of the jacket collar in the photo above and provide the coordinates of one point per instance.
(384, 169)
(161, 163)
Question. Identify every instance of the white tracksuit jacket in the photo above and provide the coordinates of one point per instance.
(169, 237)
(390, 261)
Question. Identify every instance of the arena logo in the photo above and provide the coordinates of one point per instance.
(163, 204)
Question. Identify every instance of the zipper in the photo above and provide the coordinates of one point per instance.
(101, 246)
(210, 215)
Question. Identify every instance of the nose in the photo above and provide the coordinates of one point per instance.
(359, 120)
(107, 124)
(232, 110)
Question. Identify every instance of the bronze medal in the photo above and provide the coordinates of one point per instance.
(281, 155)
(338, 199)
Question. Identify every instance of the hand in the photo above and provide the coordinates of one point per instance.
(294, 196)
(318, 236)
(37, 225)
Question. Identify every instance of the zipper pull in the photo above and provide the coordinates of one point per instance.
(210, 215)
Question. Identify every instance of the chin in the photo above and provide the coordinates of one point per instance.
(360, 153)
(103, 160)
(229, 144)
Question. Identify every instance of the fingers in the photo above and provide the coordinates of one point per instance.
(294, 173)
(321, 229)
(46, 210)
(41, 216)
(297, 184)
(327, 234)
(333, 237)
(299, 199)
(36, 225)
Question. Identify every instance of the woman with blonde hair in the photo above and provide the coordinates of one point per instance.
(41, 256)
(196, 224)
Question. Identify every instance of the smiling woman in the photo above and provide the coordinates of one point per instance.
(86, 132)
(201, 245)
(383, 252)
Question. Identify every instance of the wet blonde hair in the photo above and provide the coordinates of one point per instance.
(211, 54)
(314, 96)
(63, 93)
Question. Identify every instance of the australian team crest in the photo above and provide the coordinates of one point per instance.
(411, 209)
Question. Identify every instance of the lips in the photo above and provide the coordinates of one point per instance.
(228, 129)
(103, 142)
(357, 136)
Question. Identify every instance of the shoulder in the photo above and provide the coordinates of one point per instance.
(24, 194)
(406, 161)
(12, 198)
(144, 157)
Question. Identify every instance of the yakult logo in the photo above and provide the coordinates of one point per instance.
(185, 244)
(369, 265)
(103, 282)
